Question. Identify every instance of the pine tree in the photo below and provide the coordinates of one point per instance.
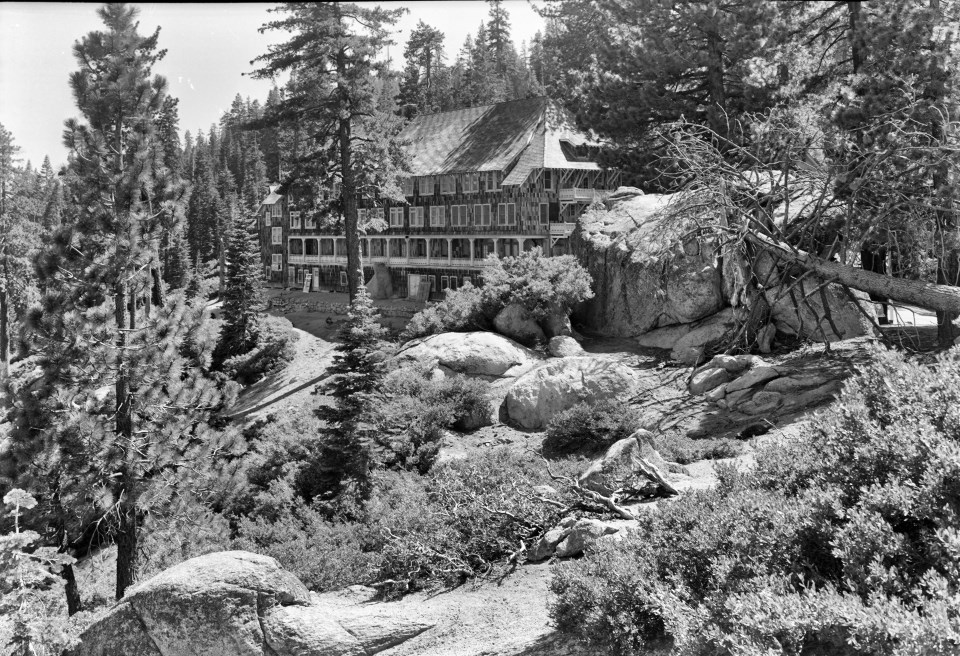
(243, 293)
(103, 327)
(424, 57)
(333, 54)
(346, 454)
(8, 151)
(498, 36)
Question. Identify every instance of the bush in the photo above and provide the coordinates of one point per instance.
(846, 540)
(682, 449)
(590, 427)
(414, 531)
(275, 348)
(540, 284)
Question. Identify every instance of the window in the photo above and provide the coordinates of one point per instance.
(277, 235)
(544, 212)
(277, 262)
(362, 215)
(493, 180)
(376, 214)
(433, 283)
(458, 216)
(343, 278)
(427, 185)
(453, 282)
(266, 218)
(310, 222)
(481, 215)
(276, 210)
(296, 247)
(471, 183)
(444, 282)
(291, 275)
(295, 220)
(396, 217)
(547, 179)
(407, 184)
(416, 217)
(448, 184)
(507, 214)
(437, 216)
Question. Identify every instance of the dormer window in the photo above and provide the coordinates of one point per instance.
(427, 184)
(492, 180)
(471, 183)
(448, 184)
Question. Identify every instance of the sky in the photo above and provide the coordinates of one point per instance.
(209, 47)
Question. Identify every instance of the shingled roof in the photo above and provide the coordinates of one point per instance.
(514, 137)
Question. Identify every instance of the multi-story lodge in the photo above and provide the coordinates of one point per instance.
(501, 179)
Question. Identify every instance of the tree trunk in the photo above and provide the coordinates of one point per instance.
(856, 39)
(942, 298)
(74, 605)
(4, 336)
(718, 97)
(124, 489)
(349, 191)
(947, 273)
(354, 272)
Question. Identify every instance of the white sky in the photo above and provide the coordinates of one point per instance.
(208, 47)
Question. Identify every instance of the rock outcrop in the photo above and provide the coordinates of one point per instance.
(537, 396)
(235, 603)
(749, 385)
(657, 281)
(472, 354)
(645, 276)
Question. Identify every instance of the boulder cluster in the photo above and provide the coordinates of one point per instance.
(529, 387)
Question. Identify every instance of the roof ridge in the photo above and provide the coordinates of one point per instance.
(504, 102)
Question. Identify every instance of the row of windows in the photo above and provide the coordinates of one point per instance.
(456, 216)
(445, 282)
(465, 183)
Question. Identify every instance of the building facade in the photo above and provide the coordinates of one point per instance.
(498, 179)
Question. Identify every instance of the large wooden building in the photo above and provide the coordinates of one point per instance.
(501, 179)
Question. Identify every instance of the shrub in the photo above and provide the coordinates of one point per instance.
(846, 540)
(682, 449)
(590, 427)
(414, 531)
(275, 348)
(540, 284)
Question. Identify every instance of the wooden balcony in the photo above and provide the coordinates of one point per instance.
(582, 195)
(441, 262)
(562, 230)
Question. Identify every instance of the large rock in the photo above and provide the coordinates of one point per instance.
(619, 466)
(472, 354)
(708, 334)
(233, 603)
(811, 321)
(564, 347)
(580, 535)
(647, 272)
(536, 396)
(517, 323)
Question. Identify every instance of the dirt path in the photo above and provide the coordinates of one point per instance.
(290, 389)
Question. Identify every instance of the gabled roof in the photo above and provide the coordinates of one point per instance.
(515, 137)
